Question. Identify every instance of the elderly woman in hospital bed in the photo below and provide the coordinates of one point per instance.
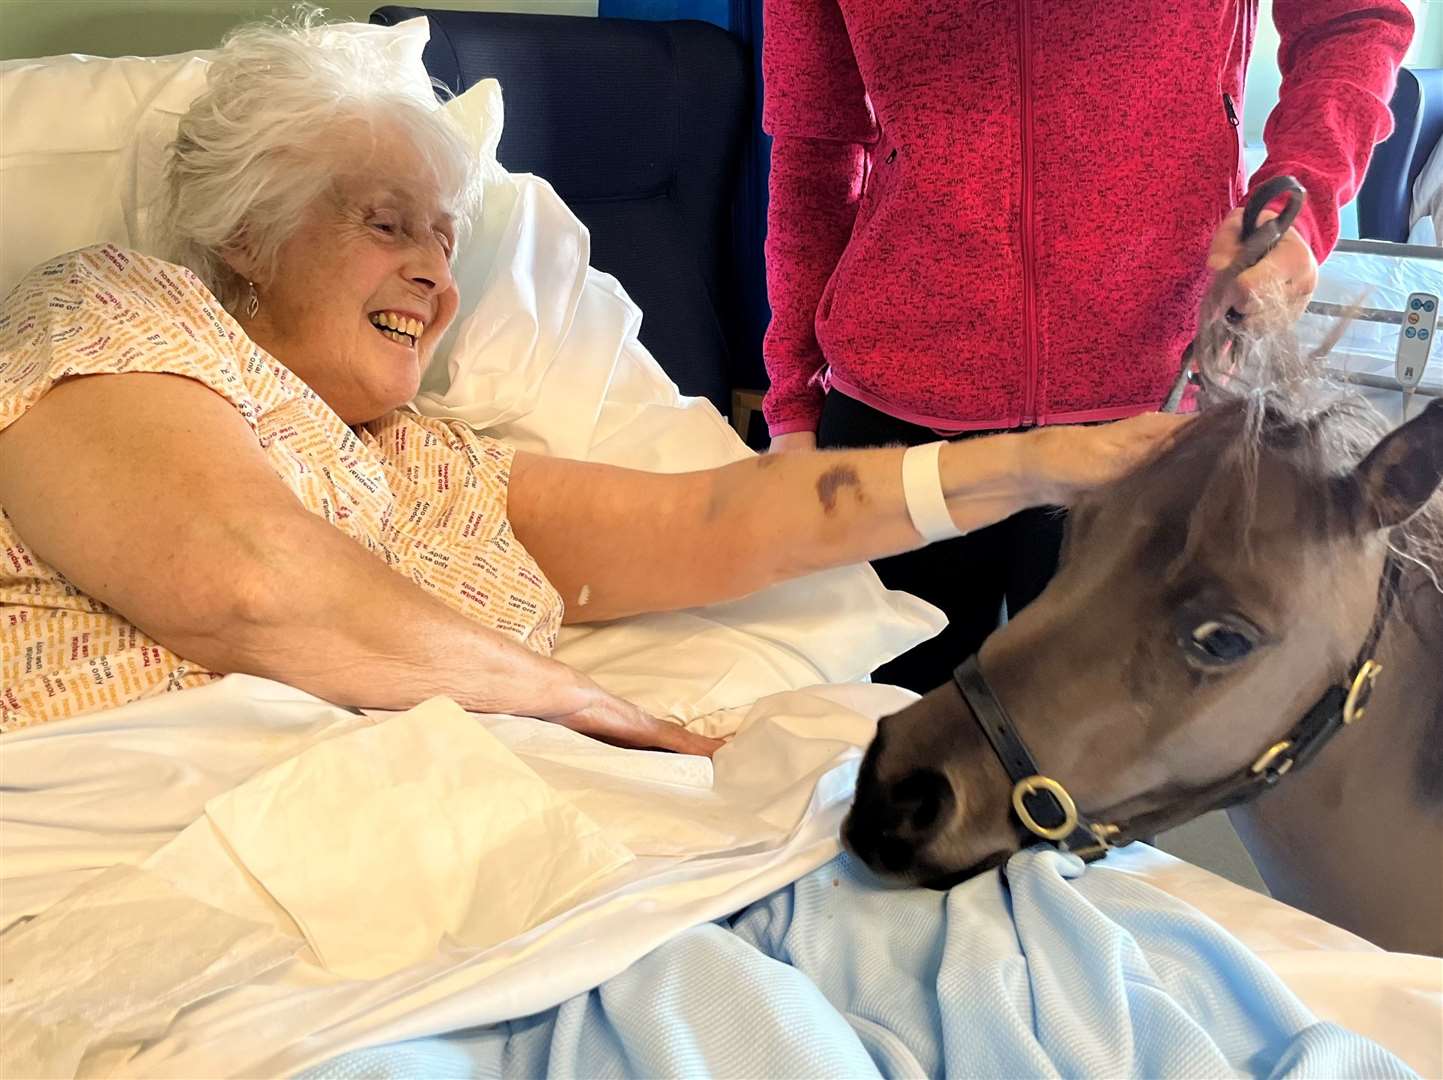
(206, 465)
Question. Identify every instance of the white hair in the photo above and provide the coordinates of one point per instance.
(261, 143)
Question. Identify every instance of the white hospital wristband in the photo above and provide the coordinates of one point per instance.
(922, 488)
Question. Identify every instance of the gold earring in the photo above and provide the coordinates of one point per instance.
(253, 302)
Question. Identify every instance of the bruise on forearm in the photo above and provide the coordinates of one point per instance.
(833, 481)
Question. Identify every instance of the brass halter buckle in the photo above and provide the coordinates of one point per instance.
(1031, 786)
(1270, 755)
(1361, 690)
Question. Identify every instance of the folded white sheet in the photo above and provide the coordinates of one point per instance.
(382, 843)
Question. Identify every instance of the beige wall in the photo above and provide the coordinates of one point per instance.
(156, 27)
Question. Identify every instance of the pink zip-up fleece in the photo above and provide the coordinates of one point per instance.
(997, 213)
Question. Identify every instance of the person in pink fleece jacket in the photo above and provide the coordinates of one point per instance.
(998, 215)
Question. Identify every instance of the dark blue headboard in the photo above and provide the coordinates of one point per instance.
(1387, 192)
(639, 127)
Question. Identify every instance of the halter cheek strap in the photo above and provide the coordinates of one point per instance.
(1046, 809)
(1042, 804)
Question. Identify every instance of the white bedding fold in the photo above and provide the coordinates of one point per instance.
(382, 843)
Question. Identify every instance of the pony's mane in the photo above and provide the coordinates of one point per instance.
(1267, 395)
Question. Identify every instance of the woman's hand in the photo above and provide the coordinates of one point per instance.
(1065, 462)
(610, 719)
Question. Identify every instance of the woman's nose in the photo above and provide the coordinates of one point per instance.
(430, 268)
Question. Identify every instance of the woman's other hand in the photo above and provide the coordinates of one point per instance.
(1069, 461)
(793, 440)
(610, 719)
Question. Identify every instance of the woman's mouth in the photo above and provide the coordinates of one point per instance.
(402, 329)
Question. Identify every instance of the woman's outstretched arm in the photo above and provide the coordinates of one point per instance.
(617, 542)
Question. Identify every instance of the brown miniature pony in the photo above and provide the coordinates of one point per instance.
(1217, 616)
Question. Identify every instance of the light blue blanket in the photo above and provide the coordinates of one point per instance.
(1052, 971)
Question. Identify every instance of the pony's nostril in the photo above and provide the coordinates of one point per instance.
(895, 855)
(920, 797)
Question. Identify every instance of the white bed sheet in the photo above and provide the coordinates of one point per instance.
(118, 787)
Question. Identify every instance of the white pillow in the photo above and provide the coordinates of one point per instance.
(480, 110)
(85, 138)
(1426, 213)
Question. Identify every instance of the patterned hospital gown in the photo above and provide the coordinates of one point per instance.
(426, 497)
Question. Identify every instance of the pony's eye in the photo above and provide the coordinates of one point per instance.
(1219, 643)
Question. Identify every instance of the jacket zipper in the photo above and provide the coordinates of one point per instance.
(1240, 164)
(1029, 299)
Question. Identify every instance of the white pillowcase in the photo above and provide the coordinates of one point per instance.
(85, 138)
(1425, 219)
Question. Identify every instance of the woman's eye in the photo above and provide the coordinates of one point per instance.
(390, 228)
(1217, 642)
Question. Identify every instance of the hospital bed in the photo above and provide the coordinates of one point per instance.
(119, 841)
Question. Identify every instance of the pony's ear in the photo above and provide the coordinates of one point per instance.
(1402, 472)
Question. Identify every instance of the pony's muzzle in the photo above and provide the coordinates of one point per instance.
(891, 821)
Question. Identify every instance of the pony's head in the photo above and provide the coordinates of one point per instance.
(1203, 605)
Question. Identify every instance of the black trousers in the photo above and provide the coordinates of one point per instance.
(970, 578)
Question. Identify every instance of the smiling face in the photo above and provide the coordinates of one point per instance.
(362, 289)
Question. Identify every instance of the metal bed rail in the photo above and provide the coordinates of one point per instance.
(1427, 388)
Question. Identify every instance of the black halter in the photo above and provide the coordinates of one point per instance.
(1046, 810)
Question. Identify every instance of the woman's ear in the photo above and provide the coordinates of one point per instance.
(240, 255)
(1401, 473)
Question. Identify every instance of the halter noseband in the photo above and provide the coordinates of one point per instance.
(1046, 810)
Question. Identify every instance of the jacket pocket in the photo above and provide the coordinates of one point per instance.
(884, 167)
(1238, 177)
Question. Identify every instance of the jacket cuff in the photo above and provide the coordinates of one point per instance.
(787, 427)
(1312, 232)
